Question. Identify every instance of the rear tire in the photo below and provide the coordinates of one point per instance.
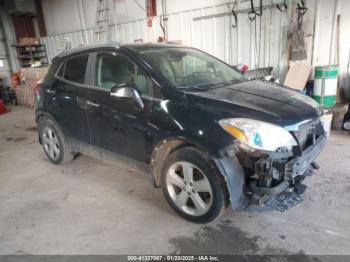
(52, 140)
(198, 194)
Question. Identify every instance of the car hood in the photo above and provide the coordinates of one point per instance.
(261, 101)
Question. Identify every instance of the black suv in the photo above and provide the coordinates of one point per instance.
(207, 136)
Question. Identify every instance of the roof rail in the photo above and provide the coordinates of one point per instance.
(87, 47)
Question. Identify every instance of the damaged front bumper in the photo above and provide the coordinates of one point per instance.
(272, 180)
(299, 165)
(296, 170)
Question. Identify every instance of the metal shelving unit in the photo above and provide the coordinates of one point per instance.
(29, 54)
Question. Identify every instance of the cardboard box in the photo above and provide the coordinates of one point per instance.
(28, 41)
(29, 78)
(297, 76)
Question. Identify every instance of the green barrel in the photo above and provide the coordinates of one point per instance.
(325, 85)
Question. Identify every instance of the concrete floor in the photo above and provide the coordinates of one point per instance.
(93, 207)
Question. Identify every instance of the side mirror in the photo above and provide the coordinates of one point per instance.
(127, 91)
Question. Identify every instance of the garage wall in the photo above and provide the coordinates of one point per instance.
(4, 56)
(7, 53)
(75, 19)
(63, 16)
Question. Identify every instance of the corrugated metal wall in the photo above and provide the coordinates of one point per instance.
(241, 45)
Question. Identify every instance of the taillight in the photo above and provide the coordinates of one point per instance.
(36, 87)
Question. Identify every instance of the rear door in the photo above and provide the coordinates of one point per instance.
(118, 124)
(68, 97)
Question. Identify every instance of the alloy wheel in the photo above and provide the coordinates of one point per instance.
(50, 142)
(189, 188)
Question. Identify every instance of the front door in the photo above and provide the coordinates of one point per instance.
(117, 124)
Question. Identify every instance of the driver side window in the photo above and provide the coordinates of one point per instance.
(113, 69)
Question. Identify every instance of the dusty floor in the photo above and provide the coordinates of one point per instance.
(92, 207)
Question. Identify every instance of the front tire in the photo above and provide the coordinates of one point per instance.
(52, 140)
(193, 186)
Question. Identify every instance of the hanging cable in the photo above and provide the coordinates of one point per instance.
(252, 17)
(162, 27)
(255, 45)
(234, 25)
(260, 9)
(301, 11)
(260, 30)
(163, 21)
(301, 8)
(259, 14)
(234, 14)
(252, 14)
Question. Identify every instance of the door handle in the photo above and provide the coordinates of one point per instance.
(50, 91)
(92, 104)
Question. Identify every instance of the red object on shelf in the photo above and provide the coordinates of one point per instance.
(3, 109)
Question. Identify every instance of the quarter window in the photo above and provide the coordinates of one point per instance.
(61, 70)
(75, 69)
(113, 69)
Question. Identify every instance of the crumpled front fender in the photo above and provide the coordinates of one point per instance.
(232, 171)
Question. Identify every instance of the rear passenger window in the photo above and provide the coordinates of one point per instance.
(75, 69)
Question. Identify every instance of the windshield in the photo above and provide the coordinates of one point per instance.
(190, 68)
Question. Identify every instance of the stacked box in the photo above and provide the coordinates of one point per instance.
(29, 78)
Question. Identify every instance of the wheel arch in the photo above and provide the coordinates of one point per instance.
(160, 153)
(167, 146)
(40, 115)
(227, 165)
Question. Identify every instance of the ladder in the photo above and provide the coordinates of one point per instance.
(101, 30)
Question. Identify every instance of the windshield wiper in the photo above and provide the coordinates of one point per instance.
(193, 87)
(222, 84)
(208, 86)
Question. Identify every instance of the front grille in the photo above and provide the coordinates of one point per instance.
(308, 132)
(305, 135)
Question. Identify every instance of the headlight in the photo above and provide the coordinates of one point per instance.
(257, 134)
